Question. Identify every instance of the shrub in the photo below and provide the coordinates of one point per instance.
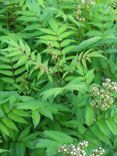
(52, 53)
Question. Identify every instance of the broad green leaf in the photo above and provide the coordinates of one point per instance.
(47, 31)
(89, 76)
(52, 92)
(14, 53)
(111, 125)
(20, 112)
(66, 34)
(24, 133)
(66, 42)
(53, 24)
(22, 60)
(89, 115)
(4, 130)
(30, 105)
(36, 118)
(58, 136)
(96, 54)
(5, 66)
(48, 38)
(30, 137)
(99, 134)
(68, 49)
(16, 118)
(92, 138)
(103, 127)
(19, 71)
(46, 113)
(38, 58)
(6, 72)
(73, 20)
(52, 146)
(62, 29)
(9, 124)
(87, 43)
(7, 79)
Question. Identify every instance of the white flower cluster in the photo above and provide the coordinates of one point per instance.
(98, 152)
(78, 13)
(110, 85)
(90, 2)
(81, 7)
(74, 150)
(79, 150)
(103, 95)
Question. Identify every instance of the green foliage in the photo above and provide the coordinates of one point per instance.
(51, 54)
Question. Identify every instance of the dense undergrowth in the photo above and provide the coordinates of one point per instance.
(58, 73)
